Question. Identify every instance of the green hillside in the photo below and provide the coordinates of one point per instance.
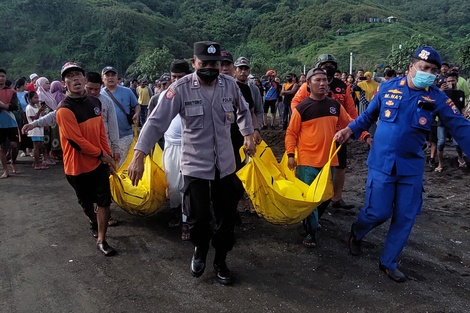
(140, 38)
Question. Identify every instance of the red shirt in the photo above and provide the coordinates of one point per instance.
(30, 87)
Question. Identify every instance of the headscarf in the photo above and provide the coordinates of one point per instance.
(57, 91)
(44, 95)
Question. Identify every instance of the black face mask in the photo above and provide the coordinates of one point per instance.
(208, 75)
(330, 72)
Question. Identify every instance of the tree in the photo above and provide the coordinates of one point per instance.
(149, 66)
(464, 52)
(401, 54)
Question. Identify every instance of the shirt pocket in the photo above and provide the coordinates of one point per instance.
(389, 115)
(229, 113)
(194, 117)
(389, 110)
(422, 119)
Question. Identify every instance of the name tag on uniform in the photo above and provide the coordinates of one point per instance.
(227, 99)
(193, 102)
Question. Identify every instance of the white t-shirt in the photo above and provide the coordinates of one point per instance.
(31, 111)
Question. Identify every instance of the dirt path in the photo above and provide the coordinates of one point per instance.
(49, 262)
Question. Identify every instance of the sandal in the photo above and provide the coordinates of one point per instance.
(309, 242)
(185, 234)
(438, 169)
(49, 162)
(112, 222)
(5, 175)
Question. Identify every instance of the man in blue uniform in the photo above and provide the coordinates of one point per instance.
(405, 108)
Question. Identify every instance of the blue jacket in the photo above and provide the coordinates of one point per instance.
(405, 116)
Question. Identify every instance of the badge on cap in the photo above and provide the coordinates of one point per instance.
(424, 54)
(211, 49)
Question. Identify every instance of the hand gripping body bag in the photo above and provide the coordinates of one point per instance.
(277, 195)
(149, 195)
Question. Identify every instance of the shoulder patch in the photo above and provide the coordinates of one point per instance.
(170, 94)
(97, 111)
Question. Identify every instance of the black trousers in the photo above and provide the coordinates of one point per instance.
(211, 207)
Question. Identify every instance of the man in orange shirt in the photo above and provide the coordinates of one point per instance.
(341, 92)
(311, 130)
(87, 160)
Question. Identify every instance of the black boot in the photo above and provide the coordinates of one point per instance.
(223, 274)
(395, 275)
(198, 262)
(354, 244)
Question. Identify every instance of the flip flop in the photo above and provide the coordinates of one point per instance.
(438, 170)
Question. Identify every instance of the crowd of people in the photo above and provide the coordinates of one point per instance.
(201, 119)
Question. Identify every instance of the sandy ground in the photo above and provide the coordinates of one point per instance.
(49, 262)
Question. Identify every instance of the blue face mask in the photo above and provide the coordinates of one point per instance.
(422, 79)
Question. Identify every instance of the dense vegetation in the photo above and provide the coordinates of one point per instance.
(140, 38)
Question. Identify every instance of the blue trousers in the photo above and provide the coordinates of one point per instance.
(390, 196)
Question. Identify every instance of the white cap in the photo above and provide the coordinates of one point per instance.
(33, 76)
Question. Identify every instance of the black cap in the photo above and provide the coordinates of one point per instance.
(180, 66)
(207, 51)
(108, 69)
(226, 56)
(165, 78)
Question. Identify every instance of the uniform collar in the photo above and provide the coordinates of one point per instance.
(196, 84)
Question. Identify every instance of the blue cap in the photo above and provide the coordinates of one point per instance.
(428, 54)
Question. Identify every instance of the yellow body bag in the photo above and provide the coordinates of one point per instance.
(150, 194)
(277, 195)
